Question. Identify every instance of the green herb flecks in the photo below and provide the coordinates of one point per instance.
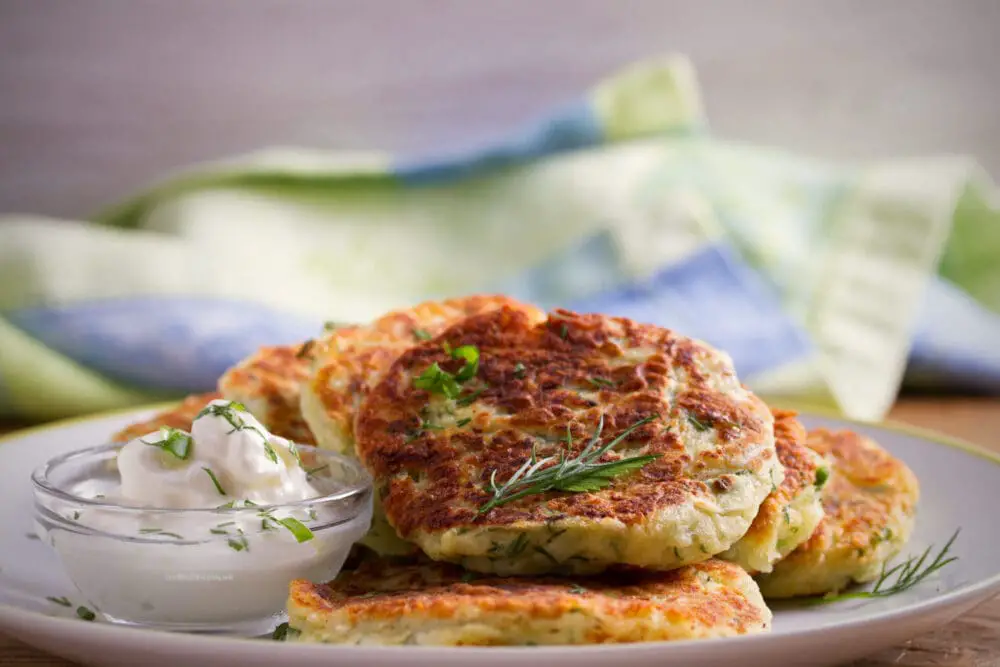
(284, 632)
(698, 424)
(159, 531)
(436, 380)
(215, 481)
(85, 613)
(173, 441)
(602, 383)
(907, 574)
(230, 412)
(239, 542)
(421, 334)
(563, 332)
(463, 422)
(822, 475)
(312, 471)
(468, 399)
(577, 589)
(519, 370)
(299, 530)
(579, 474)
(305, 349)
(63, 602)
(470, 355)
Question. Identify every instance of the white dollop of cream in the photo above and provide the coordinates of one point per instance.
(247, 462)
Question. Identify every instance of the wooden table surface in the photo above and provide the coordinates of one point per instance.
(970, 641)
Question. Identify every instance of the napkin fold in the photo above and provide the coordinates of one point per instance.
(824, 281)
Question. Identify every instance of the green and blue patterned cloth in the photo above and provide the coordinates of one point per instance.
(825, 282)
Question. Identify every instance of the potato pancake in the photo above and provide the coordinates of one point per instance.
(440, 605)
(870, 506)
(790, 514)
(434, 435)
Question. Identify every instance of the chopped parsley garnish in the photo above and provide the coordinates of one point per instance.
(463, 422)
(218, 531)
(822, 474)
(602, 383)
(305, 349)
(577, 589)
(284, 632)
(239, 543)
(85, 613)
(299, 530)
(173, 441)
(229, 411)
(215, 480)
(519, 370)
(61, 601)
(436, 380)
(563, 331)
(581, 473)
(469, 354)
(421, 334)
(908, 574)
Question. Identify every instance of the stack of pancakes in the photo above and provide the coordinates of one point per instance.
(734, 502)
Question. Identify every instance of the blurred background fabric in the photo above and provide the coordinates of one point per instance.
(826, 281)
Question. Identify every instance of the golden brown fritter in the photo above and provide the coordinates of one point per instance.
(433, 456)
(870, 504)
(268, 383)
(180, 416)
(439, 604)
(790, 514)
(350, 361)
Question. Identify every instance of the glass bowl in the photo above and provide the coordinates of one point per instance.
(223, 569)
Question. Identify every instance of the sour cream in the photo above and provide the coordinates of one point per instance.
(228, 456)
(202, 530)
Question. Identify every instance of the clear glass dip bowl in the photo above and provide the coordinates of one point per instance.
(222, 570)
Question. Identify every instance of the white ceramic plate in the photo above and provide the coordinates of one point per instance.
(961, 488)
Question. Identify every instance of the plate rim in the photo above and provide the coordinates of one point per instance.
(976, 591)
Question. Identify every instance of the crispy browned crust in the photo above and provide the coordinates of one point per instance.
(869, 503)
(179, 416)
(867, 487)
(800, 469)
(378, 592)
(269, 383)
(360, 355)
(535, 405)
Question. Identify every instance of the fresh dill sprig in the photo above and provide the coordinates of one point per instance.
(907, 574)
(579, 474)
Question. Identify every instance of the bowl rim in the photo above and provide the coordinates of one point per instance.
(42, 484)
